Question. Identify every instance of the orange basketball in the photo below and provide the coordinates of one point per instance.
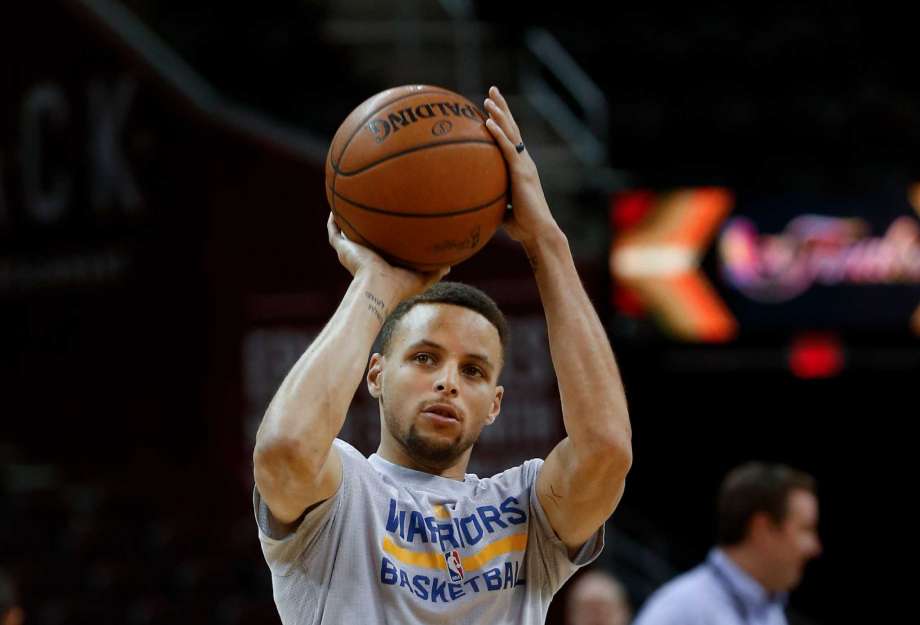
(414, 174)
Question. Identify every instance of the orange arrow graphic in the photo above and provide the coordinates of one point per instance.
(659, 259)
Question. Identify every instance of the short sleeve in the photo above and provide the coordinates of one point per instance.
(284, 548)
(547, 546)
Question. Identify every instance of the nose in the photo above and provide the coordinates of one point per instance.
(447, 382)
(818, 548)
(812, 548)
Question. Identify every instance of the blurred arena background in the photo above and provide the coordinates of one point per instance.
(740, 188)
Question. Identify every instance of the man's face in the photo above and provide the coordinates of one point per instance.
(792, 543)
(437, 384)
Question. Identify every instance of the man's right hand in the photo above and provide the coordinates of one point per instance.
(294, 459)
(357, 259)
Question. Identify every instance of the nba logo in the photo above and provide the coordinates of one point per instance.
(454, 565)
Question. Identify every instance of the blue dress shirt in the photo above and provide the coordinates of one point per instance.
(717, 592)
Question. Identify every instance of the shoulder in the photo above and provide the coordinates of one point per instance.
(514, 478)
(686, 584)
(345, 449)
(353, 461)
(679, 600)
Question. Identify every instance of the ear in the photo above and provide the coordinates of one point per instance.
(761, 527)
(496, 404)
(375, 375)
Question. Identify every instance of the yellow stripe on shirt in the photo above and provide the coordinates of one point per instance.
(434, 560)
(440, 512)
(422, 559)
(515, 542)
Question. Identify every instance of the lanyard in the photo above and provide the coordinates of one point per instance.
(730, 589)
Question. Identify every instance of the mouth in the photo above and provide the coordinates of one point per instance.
(441, 412)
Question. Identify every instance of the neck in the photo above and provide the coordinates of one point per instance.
(394, 451)
(751, 563)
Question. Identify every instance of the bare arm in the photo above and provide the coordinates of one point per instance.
(295, 463)
(583, 478)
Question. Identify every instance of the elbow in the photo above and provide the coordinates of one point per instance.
(612, 452)
(619, 455)
(269, 449)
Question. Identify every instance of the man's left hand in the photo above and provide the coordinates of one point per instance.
(530, 217)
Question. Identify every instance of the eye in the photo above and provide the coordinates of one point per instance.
(423, 358)
(474, 371)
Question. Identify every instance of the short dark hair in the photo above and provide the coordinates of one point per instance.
(756, 487)
(455, 293)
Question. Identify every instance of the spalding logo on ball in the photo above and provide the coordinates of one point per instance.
(414, 174)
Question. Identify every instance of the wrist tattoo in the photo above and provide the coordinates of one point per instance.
(376, 305)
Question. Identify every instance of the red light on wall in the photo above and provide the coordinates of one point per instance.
(813, 356)
(628, 302)
(629, 208)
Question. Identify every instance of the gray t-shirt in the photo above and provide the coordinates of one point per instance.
(404, 547)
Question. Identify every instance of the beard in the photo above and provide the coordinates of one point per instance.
(427, 449)
(439, 453)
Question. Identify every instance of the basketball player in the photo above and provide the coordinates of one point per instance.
(407, 536)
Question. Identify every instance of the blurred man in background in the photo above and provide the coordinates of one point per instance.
(11, 612)
(767, 533)
(597, 598)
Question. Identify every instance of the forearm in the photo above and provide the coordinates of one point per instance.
(591, 391)
(583, 477)
(311, 404)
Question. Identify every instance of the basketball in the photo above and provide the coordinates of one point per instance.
(414, 174)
